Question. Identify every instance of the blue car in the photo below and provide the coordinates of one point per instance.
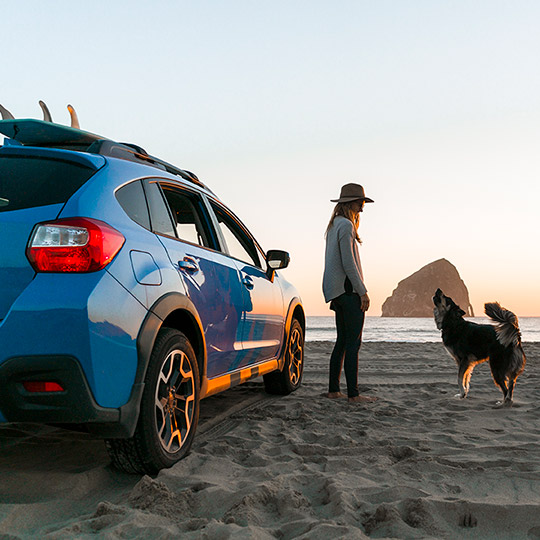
(128, 293)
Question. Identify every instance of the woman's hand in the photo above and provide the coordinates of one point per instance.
(364, 302)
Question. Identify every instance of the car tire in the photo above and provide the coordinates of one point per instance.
(290, 377)
(169, 410)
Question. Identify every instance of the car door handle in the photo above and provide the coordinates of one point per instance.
(188, 265)
(248, 282)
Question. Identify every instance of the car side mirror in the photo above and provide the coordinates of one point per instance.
(276, 259)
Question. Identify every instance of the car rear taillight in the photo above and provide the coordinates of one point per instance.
(39, 387)
(73, 245)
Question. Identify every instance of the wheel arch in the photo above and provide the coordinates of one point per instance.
(174, 310)
(299, 314)
(295, 311)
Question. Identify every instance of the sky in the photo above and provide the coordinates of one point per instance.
(432, 105)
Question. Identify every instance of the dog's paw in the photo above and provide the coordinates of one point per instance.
(506, 404)
(501, 404)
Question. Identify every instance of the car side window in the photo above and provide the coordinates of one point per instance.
(159, 214)
(186, 207)
(132, 200)
(240, 245)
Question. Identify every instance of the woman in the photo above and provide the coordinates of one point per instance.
(343, 287)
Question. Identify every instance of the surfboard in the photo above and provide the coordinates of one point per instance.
(32, 132)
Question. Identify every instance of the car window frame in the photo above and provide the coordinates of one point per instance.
(243, 229)
(202, 209)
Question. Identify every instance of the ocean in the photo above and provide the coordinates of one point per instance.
(402, 329)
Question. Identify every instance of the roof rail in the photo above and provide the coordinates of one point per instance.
(132, 152)
(45, 133)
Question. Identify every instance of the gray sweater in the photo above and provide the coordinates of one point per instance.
(341, 260)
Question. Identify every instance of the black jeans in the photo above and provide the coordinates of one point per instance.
(349, 324)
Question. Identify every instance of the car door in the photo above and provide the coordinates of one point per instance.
(262, 322)
(211, 279)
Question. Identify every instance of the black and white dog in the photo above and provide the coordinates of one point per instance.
(470, 344)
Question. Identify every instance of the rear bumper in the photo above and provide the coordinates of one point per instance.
(74, 405)
(89, 317)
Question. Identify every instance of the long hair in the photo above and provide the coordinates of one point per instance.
(345, 209)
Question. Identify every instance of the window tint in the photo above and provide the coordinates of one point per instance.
(240, 245)
(133, 201)
(159, 214)
(186, 211)
(27, 182)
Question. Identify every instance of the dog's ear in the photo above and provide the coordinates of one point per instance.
(454, 306)
(458, 309)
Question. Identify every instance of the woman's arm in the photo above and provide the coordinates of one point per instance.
(346, 239)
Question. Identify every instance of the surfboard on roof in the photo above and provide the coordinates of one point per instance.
(31, 132)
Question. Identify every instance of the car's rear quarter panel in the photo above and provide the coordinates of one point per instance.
(87, 316)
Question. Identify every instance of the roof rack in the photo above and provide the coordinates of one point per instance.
(45, 133)
(132, 152)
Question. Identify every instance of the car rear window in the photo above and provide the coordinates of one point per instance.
(27, 182)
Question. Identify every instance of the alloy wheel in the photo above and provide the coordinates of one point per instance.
(296, 356)
(174, 401)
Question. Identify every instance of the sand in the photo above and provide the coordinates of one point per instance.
(418, 463)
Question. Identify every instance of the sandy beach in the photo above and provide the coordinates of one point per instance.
(418, 463)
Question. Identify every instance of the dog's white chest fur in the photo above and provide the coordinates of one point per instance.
(450, 351)
(471, 357)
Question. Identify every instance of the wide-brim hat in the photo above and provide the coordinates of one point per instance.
(352, 192)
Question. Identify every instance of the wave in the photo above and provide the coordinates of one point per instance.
(411, 330)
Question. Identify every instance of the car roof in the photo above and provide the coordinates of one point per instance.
(30, 132)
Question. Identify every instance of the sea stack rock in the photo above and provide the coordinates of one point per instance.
(413, 295)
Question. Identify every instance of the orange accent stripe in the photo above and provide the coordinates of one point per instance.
(218, 384)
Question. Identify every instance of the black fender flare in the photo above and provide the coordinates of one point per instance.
(153, 322)
(156, 316)
(295, 306)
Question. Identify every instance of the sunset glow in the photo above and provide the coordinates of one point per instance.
(434, 108)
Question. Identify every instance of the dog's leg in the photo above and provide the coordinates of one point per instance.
(467, 378)
(509, 399)
(500, 381)
(516, 366)
(464, 377)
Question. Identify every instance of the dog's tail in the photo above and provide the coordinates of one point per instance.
(507, 329)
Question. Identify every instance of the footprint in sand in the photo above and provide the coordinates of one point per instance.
(468, 520)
